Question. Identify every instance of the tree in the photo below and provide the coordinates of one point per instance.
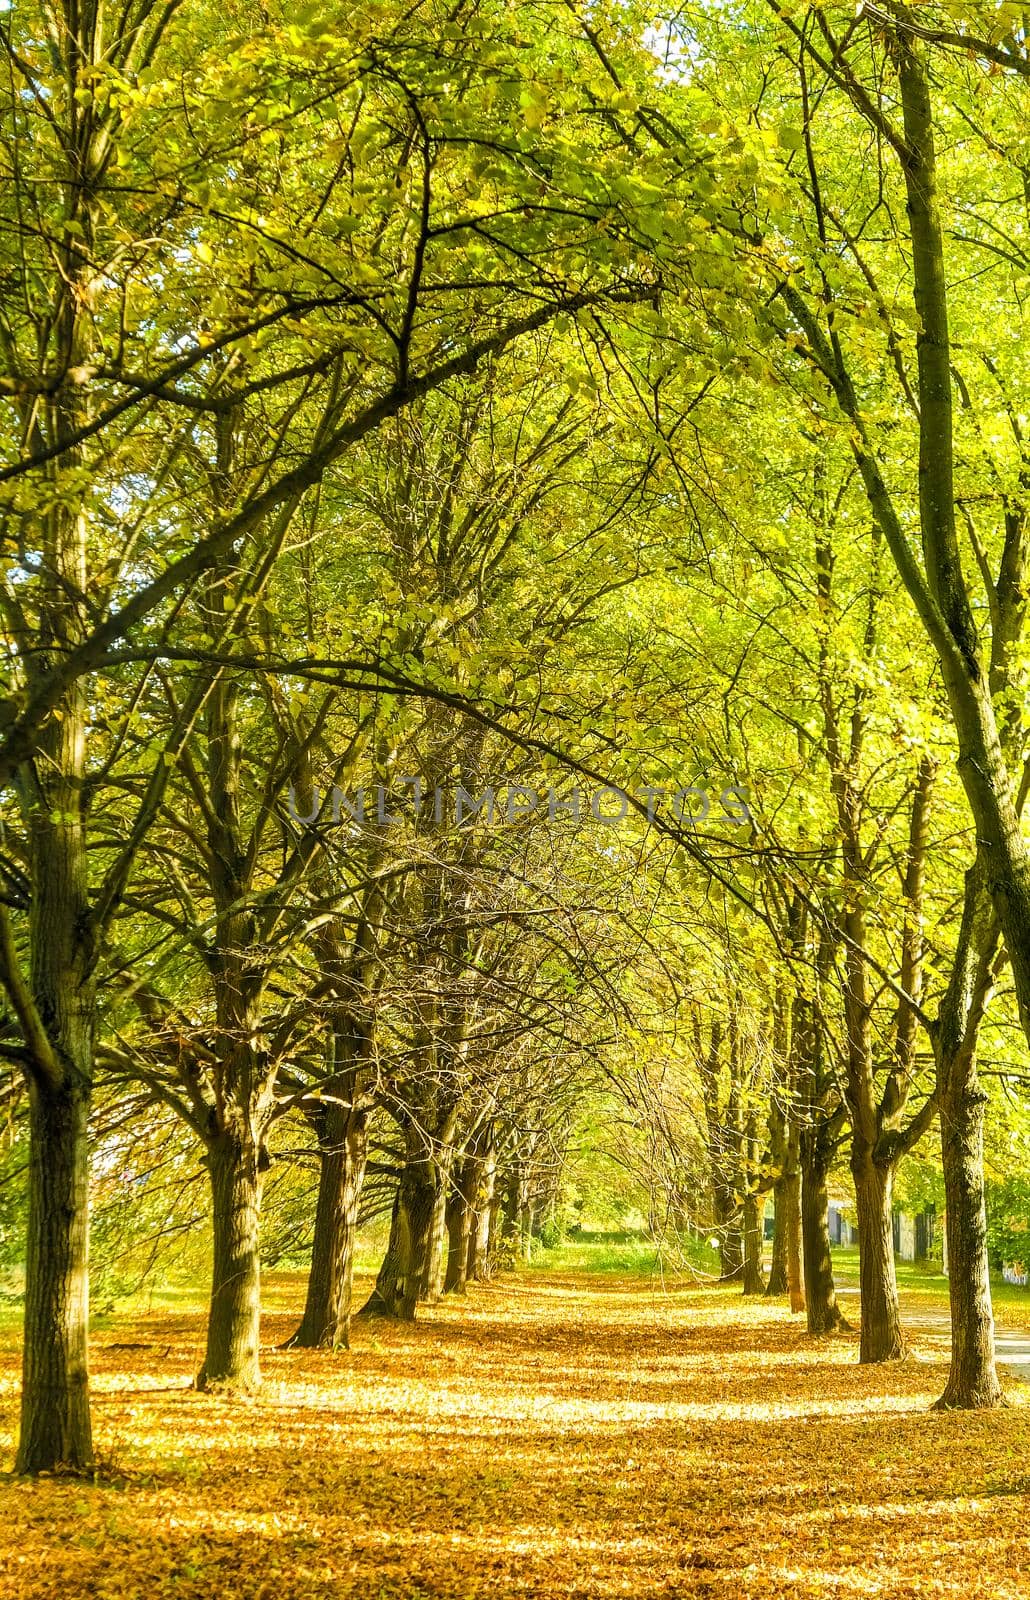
(169, 269)
(980, 664)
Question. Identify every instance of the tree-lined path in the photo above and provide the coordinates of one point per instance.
(514, 723)
(567, 1434)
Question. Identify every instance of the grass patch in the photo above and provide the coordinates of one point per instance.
(922, 1283)
(625, 1254)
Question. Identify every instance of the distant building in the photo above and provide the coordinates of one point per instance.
(913, 1231)
(842, 1229)
(914, 1234)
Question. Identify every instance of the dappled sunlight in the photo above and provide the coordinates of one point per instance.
(587, 1439)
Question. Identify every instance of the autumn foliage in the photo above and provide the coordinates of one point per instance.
(574, 1435)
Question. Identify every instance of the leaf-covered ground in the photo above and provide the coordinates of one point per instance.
(567, 1435)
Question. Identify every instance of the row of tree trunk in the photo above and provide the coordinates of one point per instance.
(443, 1226)
(809, 1119)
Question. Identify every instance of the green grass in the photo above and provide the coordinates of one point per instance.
(918, 1277)
(924, 1281)
(627, 1254)
(624, 1253)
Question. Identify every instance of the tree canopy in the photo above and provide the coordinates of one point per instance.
(514, 608)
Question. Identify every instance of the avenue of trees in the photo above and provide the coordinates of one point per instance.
(516, 525)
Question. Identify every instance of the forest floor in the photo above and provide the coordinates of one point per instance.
(561, 1433)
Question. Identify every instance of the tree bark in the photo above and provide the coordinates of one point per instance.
(342, 1159)
(824, 1314)
(404, 1274)
(792, 1228)
(55, 1005)
(492, 1226)
(461, 1219)
(432, 1284)
(55, 1420)
(976, 689)
(384, 1301)
(231, 1360)
(881, 1337)
(480, 1258)
(419, 1197)
(778, 1139)
(731, 1251)
(525, 1232)
(973, 1379)
(777, 1281)
(754, 1282)
(57, 1013)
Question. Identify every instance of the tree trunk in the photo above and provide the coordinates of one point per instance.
(432, 1284)
(55, 1423)
(525, 1232)
(461, 1217)
(509, 1208)
(792, 1229)
(384, 1301)
(754, 1282)
(943, 599)
(343, 1155)
(492, 1226)
(419, 1196)
(57, 1013)
(824, 1314)
(731, 1238)
(882, 1338)
(973, 1380)
(55, 1003)
(404, 1272)
(231, 1360)
(777, 1281)
(778, 1155)
(480, 1258)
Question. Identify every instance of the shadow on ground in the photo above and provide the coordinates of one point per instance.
(547, 1436)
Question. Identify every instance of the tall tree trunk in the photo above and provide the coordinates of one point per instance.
(882, 1338)
(56, 1008)
(55, 1005)
(480, 1257)
(518, 1212)
(943, 598)
(461, 1217)
(231, 1360)
(493, 1227)
(385, 1299)
(419, 1197)
(508, 1211)
(973, 1380)
(431, 1287)
(342, 1158)
(57, 1013)
(404, 1273)
(55, 1421)
(730, 1234)
(824, 1314)
(777, 1280)
(778, 1143)
(525, 1231)
(978, 687)
(752, 1266)
(792, 1229)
